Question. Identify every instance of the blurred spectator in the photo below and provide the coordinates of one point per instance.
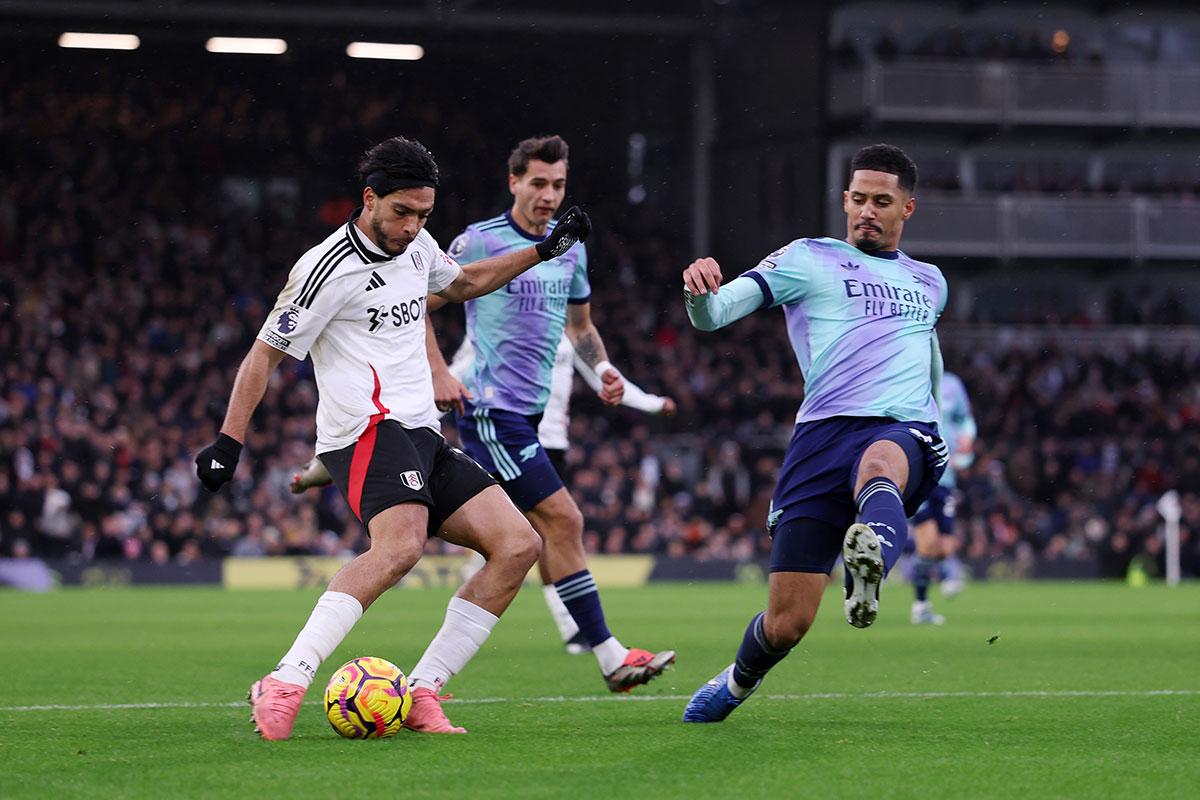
(133, 283)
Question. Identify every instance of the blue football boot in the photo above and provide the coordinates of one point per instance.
(713, 701)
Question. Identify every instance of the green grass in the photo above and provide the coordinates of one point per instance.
(204, 646)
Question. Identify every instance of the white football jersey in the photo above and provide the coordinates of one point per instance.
(360, 314)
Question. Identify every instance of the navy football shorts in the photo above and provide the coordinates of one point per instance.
(939, 507)
(505, 443)
(813, 503)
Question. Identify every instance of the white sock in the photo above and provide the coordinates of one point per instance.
(466, 628)
(611, 654)
(736, 689)
(333, 617)
(558, 610)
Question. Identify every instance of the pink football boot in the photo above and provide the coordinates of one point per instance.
(275, 705)
(426, 715)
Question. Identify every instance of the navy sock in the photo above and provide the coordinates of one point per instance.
(755, 657)
(579, 594)
(880, 507)
(923, 571)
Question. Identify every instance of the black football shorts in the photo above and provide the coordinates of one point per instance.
(391, 464)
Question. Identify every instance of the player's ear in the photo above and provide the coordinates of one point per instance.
(368, 198)
(846, 201)
(910, 205)
(513, 180)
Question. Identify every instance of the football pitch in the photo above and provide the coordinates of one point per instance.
(1090, 690)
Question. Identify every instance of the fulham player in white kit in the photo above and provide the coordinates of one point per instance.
(356, 304)
(553, 433)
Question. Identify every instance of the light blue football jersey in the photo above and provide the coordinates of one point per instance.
(957, 420)
(516, 329)
(861, 325)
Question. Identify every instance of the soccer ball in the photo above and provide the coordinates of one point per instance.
(367, 698)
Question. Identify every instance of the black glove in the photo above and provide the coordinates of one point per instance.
(216, 463)
(573, 226)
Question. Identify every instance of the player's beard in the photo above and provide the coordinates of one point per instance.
(868, 244)
(381, 239)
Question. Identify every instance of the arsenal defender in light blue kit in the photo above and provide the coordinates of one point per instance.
(865, 452)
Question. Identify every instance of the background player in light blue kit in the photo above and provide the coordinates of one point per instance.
(933, 524)
(515, 332)
(860, 317)
(553, 433)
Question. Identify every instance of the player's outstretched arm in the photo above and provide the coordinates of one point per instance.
(216, 463)
(489, 274)
(589, 348)
(711, 305)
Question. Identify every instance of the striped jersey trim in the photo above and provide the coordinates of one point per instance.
(368, 256)
(321, 274)
(312, 276)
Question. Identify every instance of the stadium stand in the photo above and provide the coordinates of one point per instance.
(118, 342)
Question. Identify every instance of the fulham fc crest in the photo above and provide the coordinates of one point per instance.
(412, 479)
(420, 267)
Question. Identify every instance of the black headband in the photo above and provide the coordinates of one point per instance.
(384, 184)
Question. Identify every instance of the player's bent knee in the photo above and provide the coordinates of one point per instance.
(569, 520)
(932, 550)
(562, 520)
(872, 468)
(397, 554)
(530, 548)
(521, 547)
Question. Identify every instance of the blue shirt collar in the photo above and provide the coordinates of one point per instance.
(533, 237)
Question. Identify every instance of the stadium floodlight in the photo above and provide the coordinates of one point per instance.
(247, 45)
(99, 41)
(384, 50)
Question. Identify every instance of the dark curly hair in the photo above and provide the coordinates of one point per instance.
(397, 163)
(550, 149)
(887, 158)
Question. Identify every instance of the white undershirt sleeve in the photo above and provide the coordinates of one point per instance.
(635, 397)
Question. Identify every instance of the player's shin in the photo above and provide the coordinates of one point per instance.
(332, 618)
(465, 629)
(581, 597)
(755, 658)
(881, 508)
(924, 570)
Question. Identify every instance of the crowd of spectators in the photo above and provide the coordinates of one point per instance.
(132, 282)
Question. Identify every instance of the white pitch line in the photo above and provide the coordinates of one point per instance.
(666, 697)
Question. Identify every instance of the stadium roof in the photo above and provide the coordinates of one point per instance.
(646, 17)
